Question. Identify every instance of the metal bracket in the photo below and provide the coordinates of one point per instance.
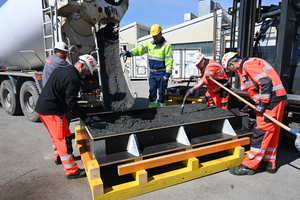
(182, 137)
(133, 146)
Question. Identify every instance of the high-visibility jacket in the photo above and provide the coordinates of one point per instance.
(260, 80)
(215, 93)
(160, 55)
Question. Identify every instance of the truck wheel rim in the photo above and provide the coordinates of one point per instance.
(7, 99)
(29, 102)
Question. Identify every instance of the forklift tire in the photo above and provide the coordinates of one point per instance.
(28, 98)
(9, 100)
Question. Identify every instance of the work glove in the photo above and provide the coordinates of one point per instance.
(191, 91)
(259, 109)
(194, 76)
(88, 121)
(125, 53)
(165, 79)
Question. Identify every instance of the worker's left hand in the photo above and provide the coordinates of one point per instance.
(191, 91)
(88, 121)
(259, 109)
(165, 79)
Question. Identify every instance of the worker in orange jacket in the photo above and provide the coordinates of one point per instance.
(215, 95)
(263, 85)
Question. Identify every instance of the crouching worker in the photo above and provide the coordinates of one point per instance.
(58, 96)
(215, 95)
(263, 85)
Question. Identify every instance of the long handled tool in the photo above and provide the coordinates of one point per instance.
(297, 141)
(182, 106)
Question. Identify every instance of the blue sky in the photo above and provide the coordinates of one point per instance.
(167, 13)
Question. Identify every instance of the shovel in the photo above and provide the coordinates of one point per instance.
(297, 141)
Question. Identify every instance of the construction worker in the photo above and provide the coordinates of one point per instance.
(263, 85)
(215, 95)
(160, 57)
(60, 94)
(58, 59)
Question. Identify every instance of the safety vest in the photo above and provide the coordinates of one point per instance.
(160, 55)
(260, 80)
(216, 71)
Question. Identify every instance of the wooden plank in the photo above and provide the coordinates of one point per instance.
(180, 156)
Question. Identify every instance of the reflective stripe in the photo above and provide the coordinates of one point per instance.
(266, 96)
(144, 49)
(158, 70)
(55, 152)
(259, 76)
(66, 157)
(271, 149)
(270, 157)
(257, 150)
(68, 166)
(267, 67)
(255, 98)
(171, 56)
(255, 157)
(156, 58)
(219, 73)
(277, 87)
(168, 71)
(54, 146)
(209, 72)
(215, 89)
(247, 85)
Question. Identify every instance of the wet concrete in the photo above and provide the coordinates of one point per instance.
(116, 94)
(105, 125)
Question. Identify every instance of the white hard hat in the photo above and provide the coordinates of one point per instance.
(226, 58)
(198, 57)
(61, 46)
(89, 61)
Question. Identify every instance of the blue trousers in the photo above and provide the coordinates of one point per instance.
(155, 82)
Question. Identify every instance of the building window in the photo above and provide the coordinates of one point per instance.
(144, 32)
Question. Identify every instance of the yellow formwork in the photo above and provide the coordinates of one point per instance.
(174, 100)
(144, 183)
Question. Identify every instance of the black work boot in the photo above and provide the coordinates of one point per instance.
(79, 174)
(57, 161)
(265, 167)
(241, 170)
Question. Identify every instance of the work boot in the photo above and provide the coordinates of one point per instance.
(263, 166)
(79, 174)
(58, 160)
(241, 170)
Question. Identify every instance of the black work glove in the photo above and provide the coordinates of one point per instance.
(260, 109)
(165, 79)
(123, 53)
(191, 91)
(88, 121)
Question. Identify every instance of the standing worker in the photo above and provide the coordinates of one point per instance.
(58, 59)
(215, 95)
(263, 85)
(160, 55)
(59, 94)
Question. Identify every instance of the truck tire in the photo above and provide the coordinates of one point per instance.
(9, 100)
(28, 98)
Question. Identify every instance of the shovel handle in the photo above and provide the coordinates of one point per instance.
(252, 106)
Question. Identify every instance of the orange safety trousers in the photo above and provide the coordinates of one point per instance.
(52, 124)
(212, 98)
(265, 141)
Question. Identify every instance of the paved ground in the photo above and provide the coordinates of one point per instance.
(28, 171)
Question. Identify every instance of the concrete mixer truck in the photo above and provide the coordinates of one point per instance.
(29, 31)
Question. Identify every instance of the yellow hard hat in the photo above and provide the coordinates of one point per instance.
(155, 29)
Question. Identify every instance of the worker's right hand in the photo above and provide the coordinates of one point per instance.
(125, 53)
(194, 76)
(191, 91)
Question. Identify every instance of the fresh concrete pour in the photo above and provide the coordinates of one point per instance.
(154, 118)
(116, 94)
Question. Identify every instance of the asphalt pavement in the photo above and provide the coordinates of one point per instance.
(28, 171)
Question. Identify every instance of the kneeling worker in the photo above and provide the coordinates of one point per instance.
(215, 95)
(60, 94)
(263, 85)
